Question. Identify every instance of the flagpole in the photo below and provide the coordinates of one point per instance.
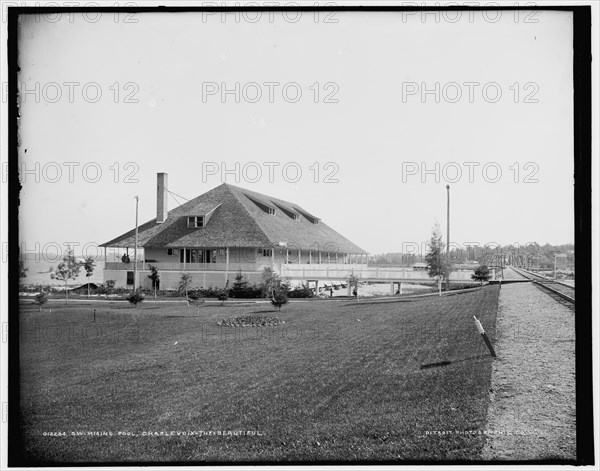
(448, 235)
(135, 277)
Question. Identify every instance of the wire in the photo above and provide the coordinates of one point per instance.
(177, 195)
(173, 195)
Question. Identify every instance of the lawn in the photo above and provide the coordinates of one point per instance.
(338, 381)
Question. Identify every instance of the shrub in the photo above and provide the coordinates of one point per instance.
(279, 297)
(301, 292)
(222, 296)
(40, 299)
(248, 292)
(242, 289)
(195, 298)
(481, 274)
(135, 297)
(184, 283)
(108, 287)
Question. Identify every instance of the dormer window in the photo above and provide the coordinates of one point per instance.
(263, 205)
(195, 221)
(309, 217)
(287, 211)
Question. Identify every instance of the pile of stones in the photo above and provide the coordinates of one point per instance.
(250, 321)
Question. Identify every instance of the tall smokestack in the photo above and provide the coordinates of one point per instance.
(161, 198)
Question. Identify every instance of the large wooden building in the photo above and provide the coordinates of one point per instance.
(226, 230)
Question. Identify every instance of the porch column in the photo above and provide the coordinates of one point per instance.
(226, 264)
(336, 257)
(299, 256)
(273, 255)
(328, 257)
(287, 255)
(392, 292)
(320, 258)
(184, 257)
(105, 260)
(310, 256)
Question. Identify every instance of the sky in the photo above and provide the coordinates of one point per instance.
(360, 118)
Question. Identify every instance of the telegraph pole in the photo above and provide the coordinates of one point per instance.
(448, 236)
(135, 277)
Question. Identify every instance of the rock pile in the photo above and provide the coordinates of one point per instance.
(250, 321)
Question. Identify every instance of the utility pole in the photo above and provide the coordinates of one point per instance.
(135, 277)
(448, 236)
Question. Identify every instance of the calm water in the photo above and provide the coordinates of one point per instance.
(39, 271)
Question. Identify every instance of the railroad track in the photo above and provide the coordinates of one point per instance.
(557, 289)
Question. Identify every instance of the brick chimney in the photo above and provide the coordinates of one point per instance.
(161, 198)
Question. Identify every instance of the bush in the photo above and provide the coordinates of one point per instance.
(40, 299)
(481, 274)
(247, 292)
(222, 296)
(279, 297)
(195, 298)
(108, 287)
(301, 292)
(135, 297)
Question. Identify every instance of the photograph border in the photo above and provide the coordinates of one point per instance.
(582, 96)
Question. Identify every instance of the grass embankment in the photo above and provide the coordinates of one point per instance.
(337, 381)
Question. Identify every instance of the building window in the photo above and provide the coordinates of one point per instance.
(195, 221)
(172, 252)
(267, 252)
(129, 277)
(193, 260)
(271, 211)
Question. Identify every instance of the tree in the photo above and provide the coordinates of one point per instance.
(271, 280)
(155, 277)
(481, 274)
(353, 282)
(438, 266)
(40, 299)
(240, 285)
(184, 284)
(22, 269)
(67, 270)
(88, 266)
(135, 297)
(279, 296)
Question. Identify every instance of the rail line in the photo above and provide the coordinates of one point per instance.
(556, 288)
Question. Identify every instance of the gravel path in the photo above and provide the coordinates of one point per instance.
(510, 274)
(532, 410)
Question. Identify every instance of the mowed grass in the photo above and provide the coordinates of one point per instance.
(338, 381)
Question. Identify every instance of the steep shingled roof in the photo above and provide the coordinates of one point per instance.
(238, 221)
